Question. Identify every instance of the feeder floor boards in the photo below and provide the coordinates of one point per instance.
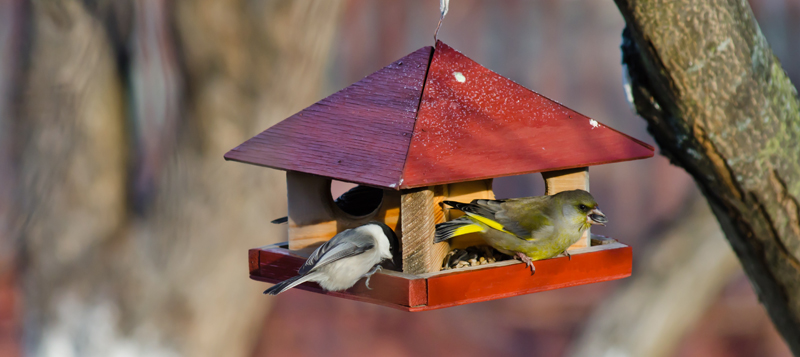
(605, 260)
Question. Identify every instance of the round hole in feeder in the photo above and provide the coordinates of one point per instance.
(356, 200)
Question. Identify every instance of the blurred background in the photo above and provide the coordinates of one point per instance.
(123, 231)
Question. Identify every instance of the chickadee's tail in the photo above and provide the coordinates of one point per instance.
(286, 285)
(454, 228)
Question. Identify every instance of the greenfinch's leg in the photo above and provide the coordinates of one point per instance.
(564, 254)
(527, 260)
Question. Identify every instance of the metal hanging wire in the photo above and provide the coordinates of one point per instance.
(444, 6)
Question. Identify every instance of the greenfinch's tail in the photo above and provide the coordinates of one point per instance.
(454, 228)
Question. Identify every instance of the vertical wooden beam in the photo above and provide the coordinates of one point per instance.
(314, 217)
(418, 221)
(311, 216)
(565, 180)
(466, 192)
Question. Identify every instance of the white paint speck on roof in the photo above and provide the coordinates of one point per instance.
(459, 77)
(593, 123)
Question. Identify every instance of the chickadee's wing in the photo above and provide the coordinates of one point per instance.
(345, 244)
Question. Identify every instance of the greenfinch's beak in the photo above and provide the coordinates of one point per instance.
(597, 217)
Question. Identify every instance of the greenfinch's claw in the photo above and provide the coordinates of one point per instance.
(528, 261)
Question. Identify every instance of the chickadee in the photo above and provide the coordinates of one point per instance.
(349, 256)
(530, 228)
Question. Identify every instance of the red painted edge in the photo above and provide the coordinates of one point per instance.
(459, 287)
(252, 260)
(513, 280)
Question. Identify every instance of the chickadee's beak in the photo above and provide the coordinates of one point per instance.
(597, 217)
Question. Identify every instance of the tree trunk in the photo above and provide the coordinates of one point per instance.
(136, 230)
(720, 106)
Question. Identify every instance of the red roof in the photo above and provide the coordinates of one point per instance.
(469, 123)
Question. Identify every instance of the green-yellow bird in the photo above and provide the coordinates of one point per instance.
(530, 228)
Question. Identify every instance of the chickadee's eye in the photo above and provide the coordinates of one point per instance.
(583, 207)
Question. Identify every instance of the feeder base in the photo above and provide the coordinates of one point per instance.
(605, 260)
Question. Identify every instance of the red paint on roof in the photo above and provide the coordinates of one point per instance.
(472, 124)
(359, 134)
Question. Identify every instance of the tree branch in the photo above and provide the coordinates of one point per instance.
(720, 106)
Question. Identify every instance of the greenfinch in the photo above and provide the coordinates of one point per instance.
(529, 228)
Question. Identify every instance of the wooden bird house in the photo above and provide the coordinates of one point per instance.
(433, 126)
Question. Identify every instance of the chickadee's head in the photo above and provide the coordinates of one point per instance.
(394, 245)
(582, 205)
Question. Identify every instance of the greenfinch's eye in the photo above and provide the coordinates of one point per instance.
(583, 207)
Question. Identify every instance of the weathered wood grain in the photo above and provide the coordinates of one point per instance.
(475, 124)
(359, 134)
(418, 221)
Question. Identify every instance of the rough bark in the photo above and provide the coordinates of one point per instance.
(135, 230)
(678, 279)
(720, 106)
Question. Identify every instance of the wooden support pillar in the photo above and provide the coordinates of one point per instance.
(464, 192)
(565, 180)
(311, 216)
(418, 220)
(314, 217)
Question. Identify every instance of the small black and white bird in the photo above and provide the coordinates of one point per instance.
(349, 256)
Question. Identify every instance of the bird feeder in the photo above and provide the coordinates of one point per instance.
(433, 126)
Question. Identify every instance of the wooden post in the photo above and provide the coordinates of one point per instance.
(314, 217)
(565, 180)
(465, 192)
(311, 216)
(418, 220)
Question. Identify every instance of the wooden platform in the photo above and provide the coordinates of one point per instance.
(605, 260)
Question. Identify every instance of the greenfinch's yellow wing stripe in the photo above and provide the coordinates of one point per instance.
(486, 221)
(472, 228)
(493, 224)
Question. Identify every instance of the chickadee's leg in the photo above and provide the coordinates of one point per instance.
(369, 274)
(527, 260)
